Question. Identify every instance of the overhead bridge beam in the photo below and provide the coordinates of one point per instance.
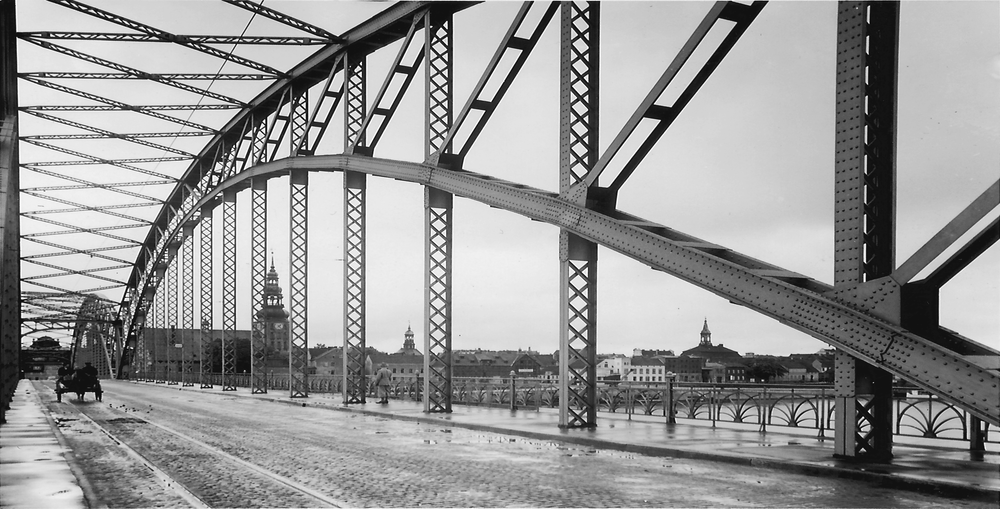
(794, 301)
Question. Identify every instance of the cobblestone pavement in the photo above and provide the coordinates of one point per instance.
(240, 452)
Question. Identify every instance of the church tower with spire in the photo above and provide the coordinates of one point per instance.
(706, 335)
(273, 314)
(409, 347)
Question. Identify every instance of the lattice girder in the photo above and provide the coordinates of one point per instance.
(355, 386)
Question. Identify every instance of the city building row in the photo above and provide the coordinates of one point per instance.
(705, 362)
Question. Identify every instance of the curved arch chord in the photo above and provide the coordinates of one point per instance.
(792, 299)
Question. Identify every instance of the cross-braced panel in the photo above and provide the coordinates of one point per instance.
(159, 322)
(578, 91)
(355, 381)
(298, 353)
(258, 265)
(171, 293)
(578, 406)
(354, 103)
(437, 360)
(439, 82)
(187, 302)
(298, 122)
(205, 341)
(140, 360)
(229, 292)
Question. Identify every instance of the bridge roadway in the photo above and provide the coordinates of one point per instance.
(154, 445)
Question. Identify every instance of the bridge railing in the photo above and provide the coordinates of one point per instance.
(801, 407)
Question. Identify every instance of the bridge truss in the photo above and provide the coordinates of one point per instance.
(882, 320)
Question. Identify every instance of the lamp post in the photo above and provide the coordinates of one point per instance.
(513, 391)
(668, 410)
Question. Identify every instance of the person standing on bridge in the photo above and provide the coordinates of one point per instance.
(382, 379)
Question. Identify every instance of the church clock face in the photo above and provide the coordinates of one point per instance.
(279, 326)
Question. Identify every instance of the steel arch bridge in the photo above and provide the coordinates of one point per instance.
(275, 121)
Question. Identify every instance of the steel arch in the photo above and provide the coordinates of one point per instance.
(793, 299)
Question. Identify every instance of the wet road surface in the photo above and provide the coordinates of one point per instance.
(160, 447)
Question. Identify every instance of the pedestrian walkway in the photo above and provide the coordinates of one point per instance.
(35, 468)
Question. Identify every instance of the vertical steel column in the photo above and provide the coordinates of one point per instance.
(159, 323)
(355, 381)
(141, 355)
(187, 302)
(437, 296)
(229, 290)
(171, 294)
(258, 266)
(205, 342)
(578, 84)
(355, 387)
(864, 233)
(355, 104)
(298, 348)
(438, 219)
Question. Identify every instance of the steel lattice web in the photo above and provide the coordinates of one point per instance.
(355, 386)
(229, 293)
(298, 353)
(438, 362)
(187, 276)
(205, 346)
(258, 264)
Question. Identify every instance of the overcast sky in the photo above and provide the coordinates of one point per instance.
(749, 165)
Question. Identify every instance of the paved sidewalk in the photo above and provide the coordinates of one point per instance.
(948, 471)
(35, 472)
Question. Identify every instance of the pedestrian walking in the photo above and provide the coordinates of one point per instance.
(382, 379)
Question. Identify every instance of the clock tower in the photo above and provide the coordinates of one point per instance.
(273, 315)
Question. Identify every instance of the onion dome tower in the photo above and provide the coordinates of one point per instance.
(273, 314)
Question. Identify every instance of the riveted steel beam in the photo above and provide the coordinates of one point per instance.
(260, 9)
(200, 39)
(864, 236)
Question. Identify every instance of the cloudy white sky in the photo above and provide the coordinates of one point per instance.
(749, 165)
